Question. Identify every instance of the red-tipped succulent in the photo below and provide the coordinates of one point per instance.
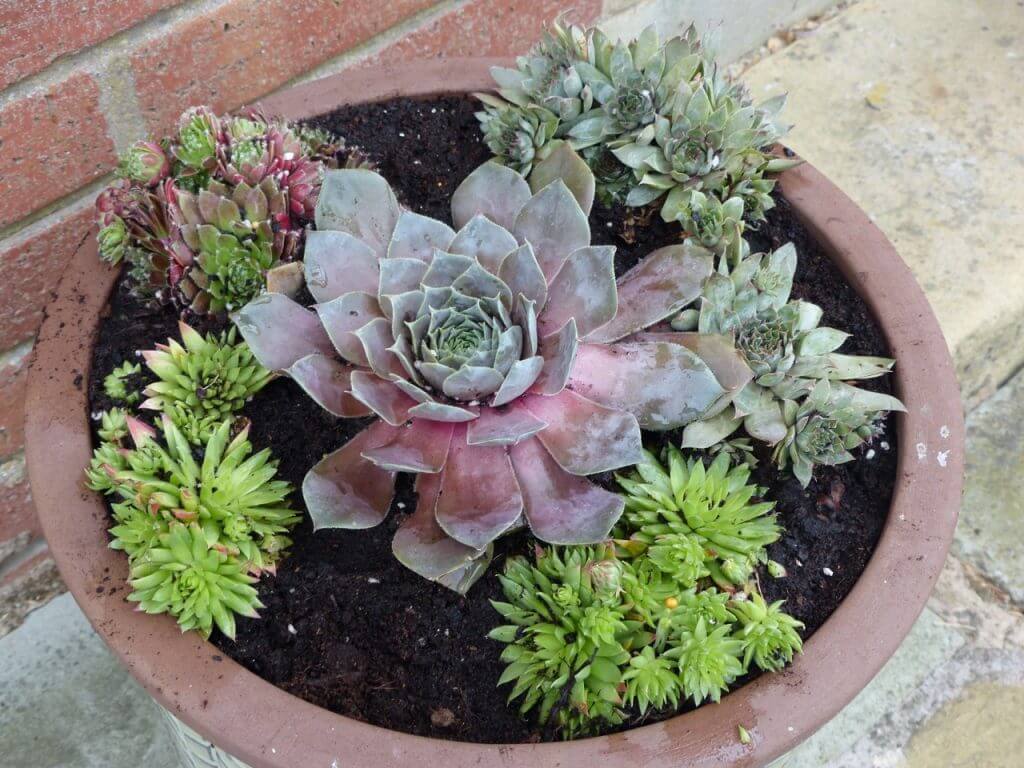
(501, 357)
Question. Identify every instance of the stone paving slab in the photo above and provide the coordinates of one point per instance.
(991, 530)
(912, 107)
(66, 702)
(929, 645)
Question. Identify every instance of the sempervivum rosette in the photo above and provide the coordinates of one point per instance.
(492, 356)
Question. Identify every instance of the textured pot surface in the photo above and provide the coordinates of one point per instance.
(267, 727)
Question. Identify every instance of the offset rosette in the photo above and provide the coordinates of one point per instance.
(491, 353)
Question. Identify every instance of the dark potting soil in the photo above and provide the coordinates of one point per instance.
(347, 627)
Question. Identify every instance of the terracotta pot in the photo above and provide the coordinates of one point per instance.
(267, 727)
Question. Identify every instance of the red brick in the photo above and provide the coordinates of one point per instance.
(38, 32)
(52, 143)
(17, 513)
(31, 265)
(485, 28)
(13, 376)
(244, 49)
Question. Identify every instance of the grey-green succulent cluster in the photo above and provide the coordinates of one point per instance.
(197, 533)
(799, 400)
(591, 636)
(202, 381)
(655, 120)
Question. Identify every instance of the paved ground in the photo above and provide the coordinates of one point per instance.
(913, 108)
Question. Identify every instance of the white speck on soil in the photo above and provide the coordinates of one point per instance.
(400, 505)
(870, 454)
(292, 630)
(828, 571)
(942, 457)
(884, 445)
(372, 580)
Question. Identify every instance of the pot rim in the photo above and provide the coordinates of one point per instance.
(269, 728)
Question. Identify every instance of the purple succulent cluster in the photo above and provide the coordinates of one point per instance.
(502, 357)
(250, 181)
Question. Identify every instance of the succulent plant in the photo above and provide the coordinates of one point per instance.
(203, 381)
(694, 521)
(709, 660)
(713, 224)
(588, 636)
(203, 215)
(651, 681)
(832, 419)
(232, 494)
(663, 110)
(232, 236)
(709, 139)
(572, 676)
(789, 353)
(491, 354)
(770, 636)
(116, 384)
(112, 238)
(184, 575)
(547, 77)
(145, 162)
(113, 426)
(199, 133)
(517, 136)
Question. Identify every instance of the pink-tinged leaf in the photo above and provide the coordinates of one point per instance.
(422, 446)
(416, 237)
(563, 163)
(664, 282)
(555, 225)
(328, 382)
(523, 275)
(472, 382)
(345, 315)
(141, 433)
(286, 278)
(503, 426)
(442, 412)
(583, 290)
(520, 377)
(420, 544)
(485, 241)
(400, 276)
(377, 341)
(585, 437)
(559, 353)
(337, 263)
(445, 268)
(382, 397)
(493, 190)
(562, 508)
(361, 203)
(479, 498)
(461, 579)
(719, 353)
(418, 394)
(344, 490)
(663, 385)
(279, 331)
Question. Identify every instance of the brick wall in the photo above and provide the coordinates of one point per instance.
(80, 80)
